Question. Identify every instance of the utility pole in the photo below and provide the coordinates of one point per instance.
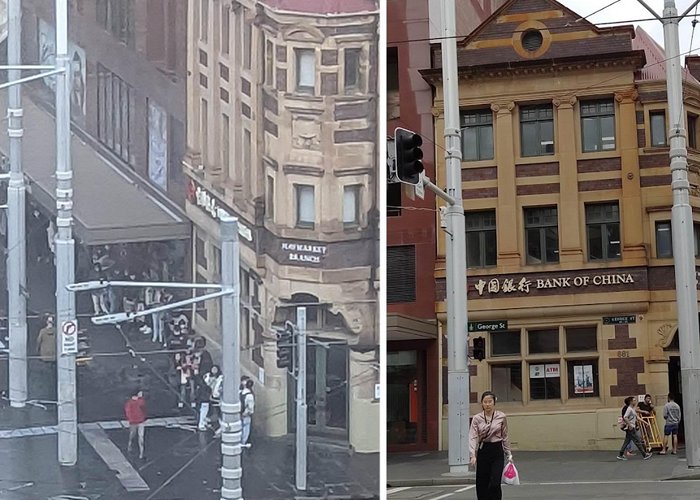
(16, 246)
(456, 256)
(301, 401)
(682, 232)
(231, 470)
(65, 248)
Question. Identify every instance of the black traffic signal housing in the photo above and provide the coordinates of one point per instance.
(285, 347)
(408, 156)
(479, 348)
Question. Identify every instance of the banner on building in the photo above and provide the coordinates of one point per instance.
(157, 145)
(78, 68)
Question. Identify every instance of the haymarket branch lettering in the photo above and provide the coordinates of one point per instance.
(303, 252)
(524, 285)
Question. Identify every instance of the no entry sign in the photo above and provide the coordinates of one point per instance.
(69, 337)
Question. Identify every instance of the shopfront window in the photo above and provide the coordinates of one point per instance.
(545, 381)
(505, 344)
(583, 378)
(507, 382)
(543, 341)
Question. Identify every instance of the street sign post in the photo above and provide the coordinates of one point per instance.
(619, 320)
(487, 326)
(69, 338)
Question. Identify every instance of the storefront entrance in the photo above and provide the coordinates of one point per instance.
(326, 391)
(675, 386)
(406, 397)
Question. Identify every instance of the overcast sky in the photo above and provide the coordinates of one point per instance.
(628, 10)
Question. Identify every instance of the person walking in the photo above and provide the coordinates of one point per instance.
(203, 400)
(215, 380)
(630, 428)
(135, 410)
(46, 348)
(489, 447)
(247, 409)
(672, 416)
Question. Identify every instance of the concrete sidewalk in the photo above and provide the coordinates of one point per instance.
(431, 468)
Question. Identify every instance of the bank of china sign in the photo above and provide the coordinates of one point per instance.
(525, 285)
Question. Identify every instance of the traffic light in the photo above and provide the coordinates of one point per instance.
(479, 348)
(285, 347)
(408, 156)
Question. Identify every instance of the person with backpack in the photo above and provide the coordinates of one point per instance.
(672, 416)
(247, 410)
(629, 422)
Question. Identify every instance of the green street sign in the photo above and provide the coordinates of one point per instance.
(619, 320)
(487, 326)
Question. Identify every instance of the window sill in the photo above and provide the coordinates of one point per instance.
(478, 163)
(596, 155)
(655, 149)
(527, 160)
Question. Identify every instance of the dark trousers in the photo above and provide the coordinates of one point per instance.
(632, 436)
(489, 471)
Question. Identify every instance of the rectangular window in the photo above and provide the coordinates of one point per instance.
(581, 338)
(351, 205)
(481, 238)
(507, 382)
(117, 17)
(269, 63)
(204, 20)
(536, 130)
(270, 199)
(603, 230)
(247, 163)
(583, 378)
(200, 251)
(306, 208)
(306, 70)
(477, 135)
(204, 127)
(664, 240)
(225, 28)
(541, 235)
(247, 41)
(692, 131)
(598, 125)
(401, 274)
(393, 105)
(543, 341)
(545, 380)
(393, 199)
(505, 344)
(657, 121)
(352, 69)
(225, 142)
(115, 102)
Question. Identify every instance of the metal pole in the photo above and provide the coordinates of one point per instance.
(301, 401)
(16, 246)
(231, 470)
(457, 369)
(683, 246)
(65, 247)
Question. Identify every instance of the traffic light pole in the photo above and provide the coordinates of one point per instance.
(301, 444)
(456, 254)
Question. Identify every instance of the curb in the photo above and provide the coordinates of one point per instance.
(440, 481)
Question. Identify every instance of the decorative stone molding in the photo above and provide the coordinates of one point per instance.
(503, 107)
(565, 102)
(665, 333)
(627, 96)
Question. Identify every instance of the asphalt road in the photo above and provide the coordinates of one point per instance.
(639, 490)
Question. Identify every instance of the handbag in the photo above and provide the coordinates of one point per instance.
(510, 474)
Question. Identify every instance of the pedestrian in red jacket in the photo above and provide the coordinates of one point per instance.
(135, 410)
